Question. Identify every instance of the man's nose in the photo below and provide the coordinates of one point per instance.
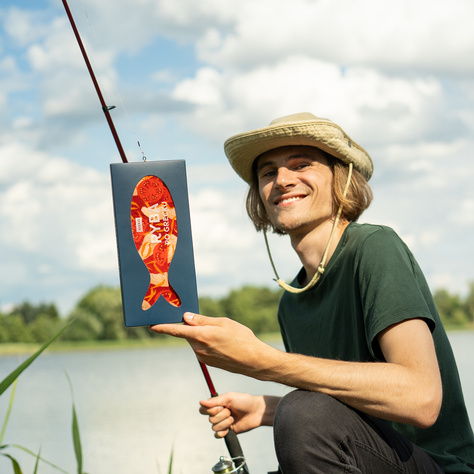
(285, 177)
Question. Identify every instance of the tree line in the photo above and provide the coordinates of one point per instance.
(98, 315)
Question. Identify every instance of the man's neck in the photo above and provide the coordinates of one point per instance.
(311, 245)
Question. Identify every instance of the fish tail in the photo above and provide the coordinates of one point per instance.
(155, 291)
(172, 297)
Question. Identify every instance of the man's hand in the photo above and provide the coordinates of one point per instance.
(240, 411)
(222, 343)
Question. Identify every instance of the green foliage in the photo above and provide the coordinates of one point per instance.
(76, 437)
(43, 328)
(469, 303)
(9, 410)
(86, 328)
(99, 317)
(255, 307)
(15, 329)
(30, 312)
(29, 323)
(454, 310)
(210, 307)
(99, 314)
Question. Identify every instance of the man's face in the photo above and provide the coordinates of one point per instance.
(295, 185)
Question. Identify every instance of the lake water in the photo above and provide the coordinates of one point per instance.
(136, 406)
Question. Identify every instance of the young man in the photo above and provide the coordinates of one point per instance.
(377, 386)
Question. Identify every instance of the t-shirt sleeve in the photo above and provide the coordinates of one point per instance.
(390, 283)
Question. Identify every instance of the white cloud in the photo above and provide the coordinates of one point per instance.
(56, 209)
(422, 35)
(463, 216)
(217, 223)
(205, 89)
(64, 81)
(374, 107)
(130, 24)
(25, 26)
(10, 76)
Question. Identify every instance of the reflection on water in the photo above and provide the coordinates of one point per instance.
(136, 406)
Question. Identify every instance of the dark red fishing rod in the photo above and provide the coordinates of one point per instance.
(231, 440)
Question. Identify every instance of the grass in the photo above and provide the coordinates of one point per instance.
(11, 379)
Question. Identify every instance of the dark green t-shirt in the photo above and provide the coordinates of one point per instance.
(371, 282)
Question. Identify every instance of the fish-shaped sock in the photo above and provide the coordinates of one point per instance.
(155, 233)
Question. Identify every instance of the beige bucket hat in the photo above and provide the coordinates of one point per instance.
(297, 129)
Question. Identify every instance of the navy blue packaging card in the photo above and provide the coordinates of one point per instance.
(154, 241)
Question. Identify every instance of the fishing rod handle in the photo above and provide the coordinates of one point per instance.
(231, 440)
(234, 448)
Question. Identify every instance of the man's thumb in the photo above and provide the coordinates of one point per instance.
(194, 319)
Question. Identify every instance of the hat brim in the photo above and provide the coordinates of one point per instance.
(242, 149)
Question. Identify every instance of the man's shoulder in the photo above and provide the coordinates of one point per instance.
(373, 242)
(377, 246)
(361, 232)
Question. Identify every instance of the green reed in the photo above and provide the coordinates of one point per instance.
(11, 379)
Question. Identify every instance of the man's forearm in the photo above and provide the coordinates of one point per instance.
(406, 389)
(380, 389)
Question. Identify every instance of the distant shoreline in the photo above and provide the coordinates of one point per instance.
(22, 348)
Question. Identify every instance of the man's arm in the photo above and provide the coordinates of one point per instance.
(406, 388)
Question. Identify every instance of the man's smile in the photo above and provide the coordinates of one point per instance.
(287, 199)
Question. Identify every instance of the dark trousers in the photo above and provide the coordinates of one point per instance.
(315, 433)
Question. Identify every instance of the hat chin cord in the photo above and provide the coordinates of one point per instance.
(322, 264)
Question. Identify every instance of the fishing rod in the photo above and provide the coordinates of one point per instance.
(237, 463)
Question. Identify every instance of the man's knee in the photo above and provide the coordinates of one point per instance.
(300, 408)
(317, 433)
(308, 430)
(301, 414)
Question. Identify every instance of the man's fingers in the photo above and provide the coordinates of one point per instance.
(223, 426)
(194, 319)
(220, 434)
(185, 330)
(221, 416)
(210, 411)
(221, 400)
(175, 330)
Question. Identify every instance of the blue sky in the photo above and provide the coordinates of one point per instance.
(397, 76)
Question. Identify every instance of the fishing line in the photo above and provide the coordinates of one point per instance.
(98, 44)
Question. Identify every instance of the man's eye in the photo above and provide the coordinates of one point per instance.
(301, 166)
(267, 173)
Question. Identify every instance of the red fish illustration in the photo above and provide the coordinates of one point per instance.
(155, 232)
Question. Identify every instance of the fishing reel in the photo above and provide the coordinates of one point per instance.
(227, 466)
